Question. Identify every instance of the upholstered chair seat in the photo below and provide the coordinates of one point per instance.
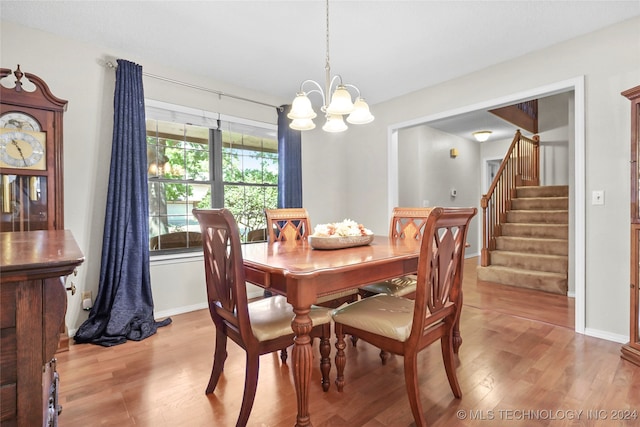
(398, 286)
(271, 317)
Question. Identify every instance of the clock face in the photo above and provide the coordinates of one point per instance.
(22, 150)
(19, 121)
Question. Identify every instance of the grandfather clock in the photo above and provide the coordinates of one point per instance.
(31, 170)
(38, 254)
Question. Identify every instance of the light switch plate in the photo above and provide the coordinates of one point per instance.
(597, 197)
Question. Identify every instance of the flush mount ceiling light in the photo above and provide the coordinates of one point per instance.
(482, 135)
(340, 105)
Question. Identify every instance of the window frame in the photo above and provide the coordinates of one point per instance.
(167, 112)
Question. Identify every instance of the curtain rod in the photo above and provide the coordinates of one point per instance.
(110, 64)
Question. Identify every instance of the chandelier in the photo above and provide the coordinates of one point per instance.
(334, 109)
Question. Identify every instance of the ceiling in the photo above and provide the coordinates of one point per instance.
(386, 48)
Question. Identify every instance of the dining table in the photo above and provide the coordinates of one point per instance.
(301, 273)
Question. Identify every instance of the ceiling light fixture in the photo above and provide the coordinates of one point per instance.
(302, 113)
(482, 135)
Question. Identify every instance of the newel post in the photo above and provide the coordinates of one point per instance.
(484, 253)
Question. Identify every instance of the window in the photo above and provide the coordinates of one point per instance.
(200, 161)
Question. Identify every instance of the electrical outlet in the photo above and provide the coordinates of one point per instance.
(87, 301)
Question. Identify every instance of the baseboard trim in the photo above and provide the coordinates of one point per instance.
(596, 333)
(180, 310)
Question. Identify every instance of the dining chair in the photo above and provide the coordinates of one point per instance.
(404, 326)
(259, 327)
(406, 223)
(289, 224)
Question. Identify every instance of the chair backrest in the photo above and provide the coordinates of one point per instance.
(224, 271)
(178, 239)
(440, 267)
(257, 235)
(408, 223)
(287, 224)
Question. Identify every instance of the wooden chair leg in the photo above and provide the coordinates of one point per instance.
(411, 381)
(284, 355)
(340, 357)
(219, 357)
(250, 384)
(446, 343)
(384, 356)
(325, 352)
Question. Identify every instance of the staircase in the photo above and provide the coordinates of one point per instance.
(532, 249)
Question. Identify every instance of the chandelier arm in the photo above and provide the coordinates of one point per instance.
(330, 87)
(354, 87)
(318, 90)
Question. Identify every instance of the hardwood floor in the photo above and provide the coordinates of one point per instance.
(520, 364)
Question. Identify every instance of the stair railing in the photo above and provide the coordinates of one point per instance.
(520, 167)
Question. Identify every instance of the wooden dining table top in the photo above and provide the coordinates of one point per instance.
(271, 265)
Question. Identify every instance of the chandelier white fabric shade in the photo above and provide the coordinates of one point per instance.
(482, 135)
(335, 108)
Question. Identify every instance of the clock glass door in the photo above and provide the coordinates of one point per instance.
(24, 203)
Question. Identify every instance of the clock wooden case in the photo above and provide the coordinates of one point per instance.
(31, 162)
(631, 350)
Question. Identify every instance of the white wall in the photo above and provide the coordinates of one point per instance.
(347, 175)
(427, 173)
(553, 126)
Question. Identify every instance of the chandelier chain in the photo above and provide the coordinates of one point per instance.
(327, 17)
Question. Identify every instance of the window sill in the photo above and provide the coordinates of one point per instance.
(176, 258)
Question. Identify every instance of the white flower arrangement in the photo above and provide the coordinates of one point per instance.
(345, 228)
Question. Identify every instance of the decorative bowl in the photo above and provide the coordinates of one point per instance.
(317, 242)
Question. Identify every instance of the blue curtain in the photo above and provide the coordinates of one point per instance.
(123, 308)
(290, 162)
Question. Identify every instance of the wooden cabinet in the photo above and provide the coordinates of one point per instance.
(631, 350)
(34, 302)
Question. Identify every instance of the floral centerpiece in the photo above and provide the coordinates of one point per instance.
(337, 235)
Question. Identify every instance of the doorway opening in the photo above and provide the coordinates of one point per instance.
(576, 172)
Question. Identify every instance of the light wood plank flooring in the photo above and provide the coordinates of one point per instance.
(520, 364)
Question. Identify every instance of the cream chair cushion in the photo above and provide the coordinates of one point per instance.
(381, 314)
(399, 286)
(336, 295)
(271, 317)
